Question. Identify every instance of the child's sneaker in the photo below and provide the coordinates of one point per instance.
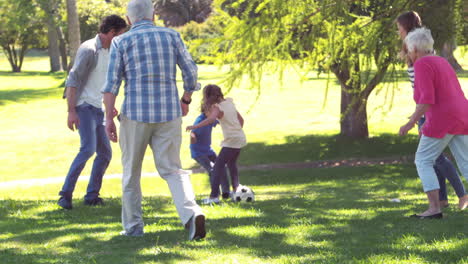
(210, 200)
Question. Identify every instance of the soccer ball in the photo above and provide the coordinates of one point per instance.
(243, 194)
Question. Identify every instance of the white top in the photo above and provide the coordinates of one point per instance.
(97, 77)
(234, 136)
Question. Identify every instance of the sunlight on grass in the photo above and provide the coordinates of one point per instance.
(310, 215)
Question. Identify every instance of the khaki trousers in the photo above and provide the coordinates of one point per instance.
(164, 140)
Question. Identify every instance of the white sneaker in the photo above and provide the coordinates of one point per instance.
(197, 227)
(210, 201)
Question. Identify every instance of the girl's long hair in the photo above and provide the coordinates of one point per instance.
(409, 21)
(212, 94)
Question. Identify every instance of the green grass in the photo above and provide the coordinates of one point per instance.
(336, 215)
(339, 215)
(35, 142)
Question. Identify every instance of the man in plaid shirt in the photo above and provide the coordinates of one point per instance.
(146, 58)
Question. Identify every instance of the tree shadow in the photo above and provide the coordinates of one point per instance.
(55, 75)
(25, 95)
(332, 216)
(327, 147)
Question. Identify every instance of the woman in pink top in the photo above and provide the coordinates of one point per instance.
(439, 97)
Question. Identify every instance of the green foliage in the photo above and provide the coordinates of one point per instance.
(91, 12)
(20, 29)
(444, 18)
(355, 40)
(198, 37)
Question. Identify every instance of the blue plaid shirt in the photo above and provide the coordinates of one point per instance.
(146, 57)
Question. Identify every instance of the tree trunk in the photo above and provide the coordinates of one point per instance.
(447, 52)
(353, 122)
(62, 47)
(74, 38)
(54, 52)
(13, 58)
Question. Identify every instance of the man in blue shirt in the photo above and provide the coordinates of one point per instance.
(201, 151)
(146, 58)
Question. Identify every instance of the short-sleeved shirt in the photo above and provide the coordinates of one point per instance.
(234, 136)
(436, 84)
(203, 145)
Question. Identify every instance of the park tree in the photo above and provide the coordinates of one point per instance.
(91, 12)
(445, 18)
(56, 44)
(176, 13)
(74, 38)
(356, 41)
(20, 29)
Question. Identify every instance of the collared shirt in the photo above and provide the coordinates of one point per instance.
(85, 61)
(97, 77)
(146, 57)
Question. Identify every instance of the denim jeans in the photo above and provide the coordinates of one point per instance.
(93, 139)
(429, 149)
(445, 169)
(227, 156)
(205, 162)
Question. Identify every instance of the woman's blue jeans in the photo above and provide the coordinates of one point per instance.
(93, 139)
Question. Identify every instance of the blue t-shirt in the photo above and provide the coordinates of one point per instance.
(203, 134)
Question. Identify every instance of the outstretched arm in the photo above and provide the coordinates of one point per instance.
(418, 113)
(215, 111)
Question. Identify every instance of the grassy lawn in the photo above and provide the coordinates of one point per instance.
(335, 215)
(35, 142)
(339, 215)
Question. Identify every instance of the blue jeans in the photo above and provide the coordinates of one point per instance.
(205, 162)
(93, 139)
(227, 156)
(445, 169)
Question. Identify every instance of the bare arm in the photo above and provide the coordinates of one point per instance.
(418, 113)
(73, 120)
(109, 103)
(241, 120)
(193, 138)
(187, 97)
(215, 111)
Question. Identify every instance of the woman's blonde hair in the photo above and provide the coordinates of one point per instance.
(212, 94)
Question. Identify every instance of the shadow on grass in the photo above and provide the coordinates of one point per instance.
(308, 215)
(55, 75)
(25, 95)
(327, 147)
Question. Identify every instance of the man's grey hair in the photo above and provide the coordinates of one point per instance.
(139, 10)
(420, 39)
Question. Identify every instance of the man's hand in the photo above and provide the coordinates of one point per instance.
(73, 121)
(111, 130)
(185, 108)
(189, 128)
(115, 112)
(404, 129)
